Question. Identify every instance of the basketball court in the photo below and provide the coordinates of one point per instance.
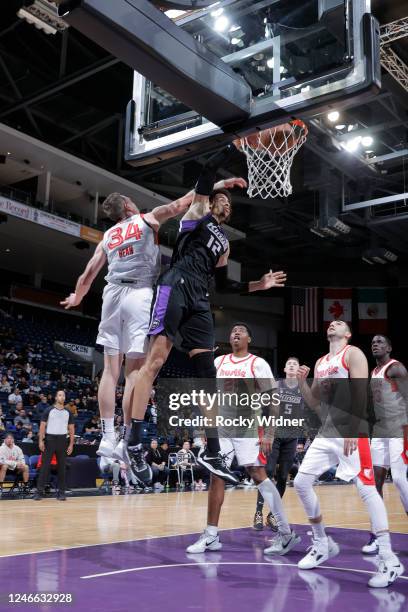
(207, 74)
(132, 549)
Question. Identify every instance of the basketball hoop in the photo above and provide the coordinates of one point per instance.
(269, 156)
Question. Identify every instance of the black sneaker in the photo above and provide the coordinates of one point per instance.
(61, 496)
(142, 470)
(38, 496)
(216, 465)
(258, 521)
(271, 522)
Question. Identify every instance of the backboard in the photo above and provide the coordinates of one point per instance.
(297, 56)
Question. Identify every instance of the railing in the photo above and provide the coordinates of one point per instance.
(28, 198)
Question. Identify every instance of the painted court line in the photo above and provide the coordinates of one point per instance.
(170, 535)
(145, 537)
(172, 565)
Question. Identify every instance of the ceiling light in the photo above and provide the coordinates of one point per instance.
(221, 24)
(217, 12)
(235, 41)
(350, 128)
(234, 28)
(341, 126)
(352, 145)
(174, 13)
(367, 141)
(282, 69)
(270, 62)
(305, 89)
(333, 116)
(367, 260)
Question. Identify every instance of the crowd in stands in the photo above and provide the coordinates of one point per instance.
(31, 372)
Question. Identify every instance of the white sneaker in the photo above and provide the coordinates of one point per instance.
(106, 448)
(371, 548)
(320, 551)
(388, 571)
(121, 452)
(205, 542)
(282, 544)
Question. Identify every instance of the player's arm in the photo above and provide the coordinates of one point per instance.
(224, 285)
(311, 394)
(358, 372)
(206, 183)
(398, 373)
(163, 213)
(270, 408)
(84, 282)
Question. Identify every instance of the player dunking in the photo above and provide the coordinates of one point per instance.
(351, 454)
(389, 445)
(285, 443)
(131, 250)
(250, 450)
(181, 304)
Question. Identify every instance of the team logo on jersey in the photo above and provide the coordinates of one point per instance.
(154, 324)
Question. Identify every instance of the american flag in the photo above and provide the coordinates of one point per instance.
(304, 310)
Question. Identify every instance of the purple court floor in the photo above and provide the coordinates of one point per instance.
(157, 574)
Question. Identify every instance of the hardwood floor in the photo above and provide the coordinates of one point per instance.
(30, 526)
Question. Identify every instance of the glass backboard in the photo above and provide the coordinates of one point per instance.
(298, 57)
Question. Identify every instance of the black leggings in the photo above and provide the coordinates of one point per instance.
(283, 454)
(58, 445)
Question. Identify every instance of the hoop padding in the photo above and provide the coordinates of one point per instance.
(269, 156)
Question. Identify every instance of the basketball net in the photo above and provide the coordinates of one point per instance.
(269, 164)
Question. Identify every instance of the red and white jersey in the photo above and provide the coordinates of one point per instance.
(335, 398)
(389, 404)
(250, 366)
(333, 366)
(132, 252)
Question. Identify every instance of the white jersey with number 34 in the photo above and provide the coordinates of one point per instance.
(132, 252)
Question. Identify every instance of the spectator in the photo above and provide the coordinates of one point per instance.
(11, 356)
(164, 450)
(10, 376)
(56, 423)
(29, 437)
(41, 406)
(92, 426)
(159, 467)
(22, 417)
(185, 459)
(2, 420)
(72, 408)
(19, 431)
(14, 397)
(12, 460)
(5, 385)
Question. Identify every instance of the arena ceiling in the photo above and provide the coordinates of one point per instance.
(70, 93)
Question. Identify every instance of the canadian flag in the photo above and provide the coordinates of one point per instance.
(337, 305)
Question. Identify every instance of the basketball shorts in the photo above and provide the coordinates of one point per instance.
(325, 453)
(388, 452)
(246, 450)
(181, 307)
(125, 320)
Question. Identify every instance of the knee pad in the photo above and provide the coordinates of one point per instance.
(375, 506)
(303, 484)
(204, 365)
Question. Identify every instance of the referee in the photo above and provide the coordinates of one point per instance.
(56, 423)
